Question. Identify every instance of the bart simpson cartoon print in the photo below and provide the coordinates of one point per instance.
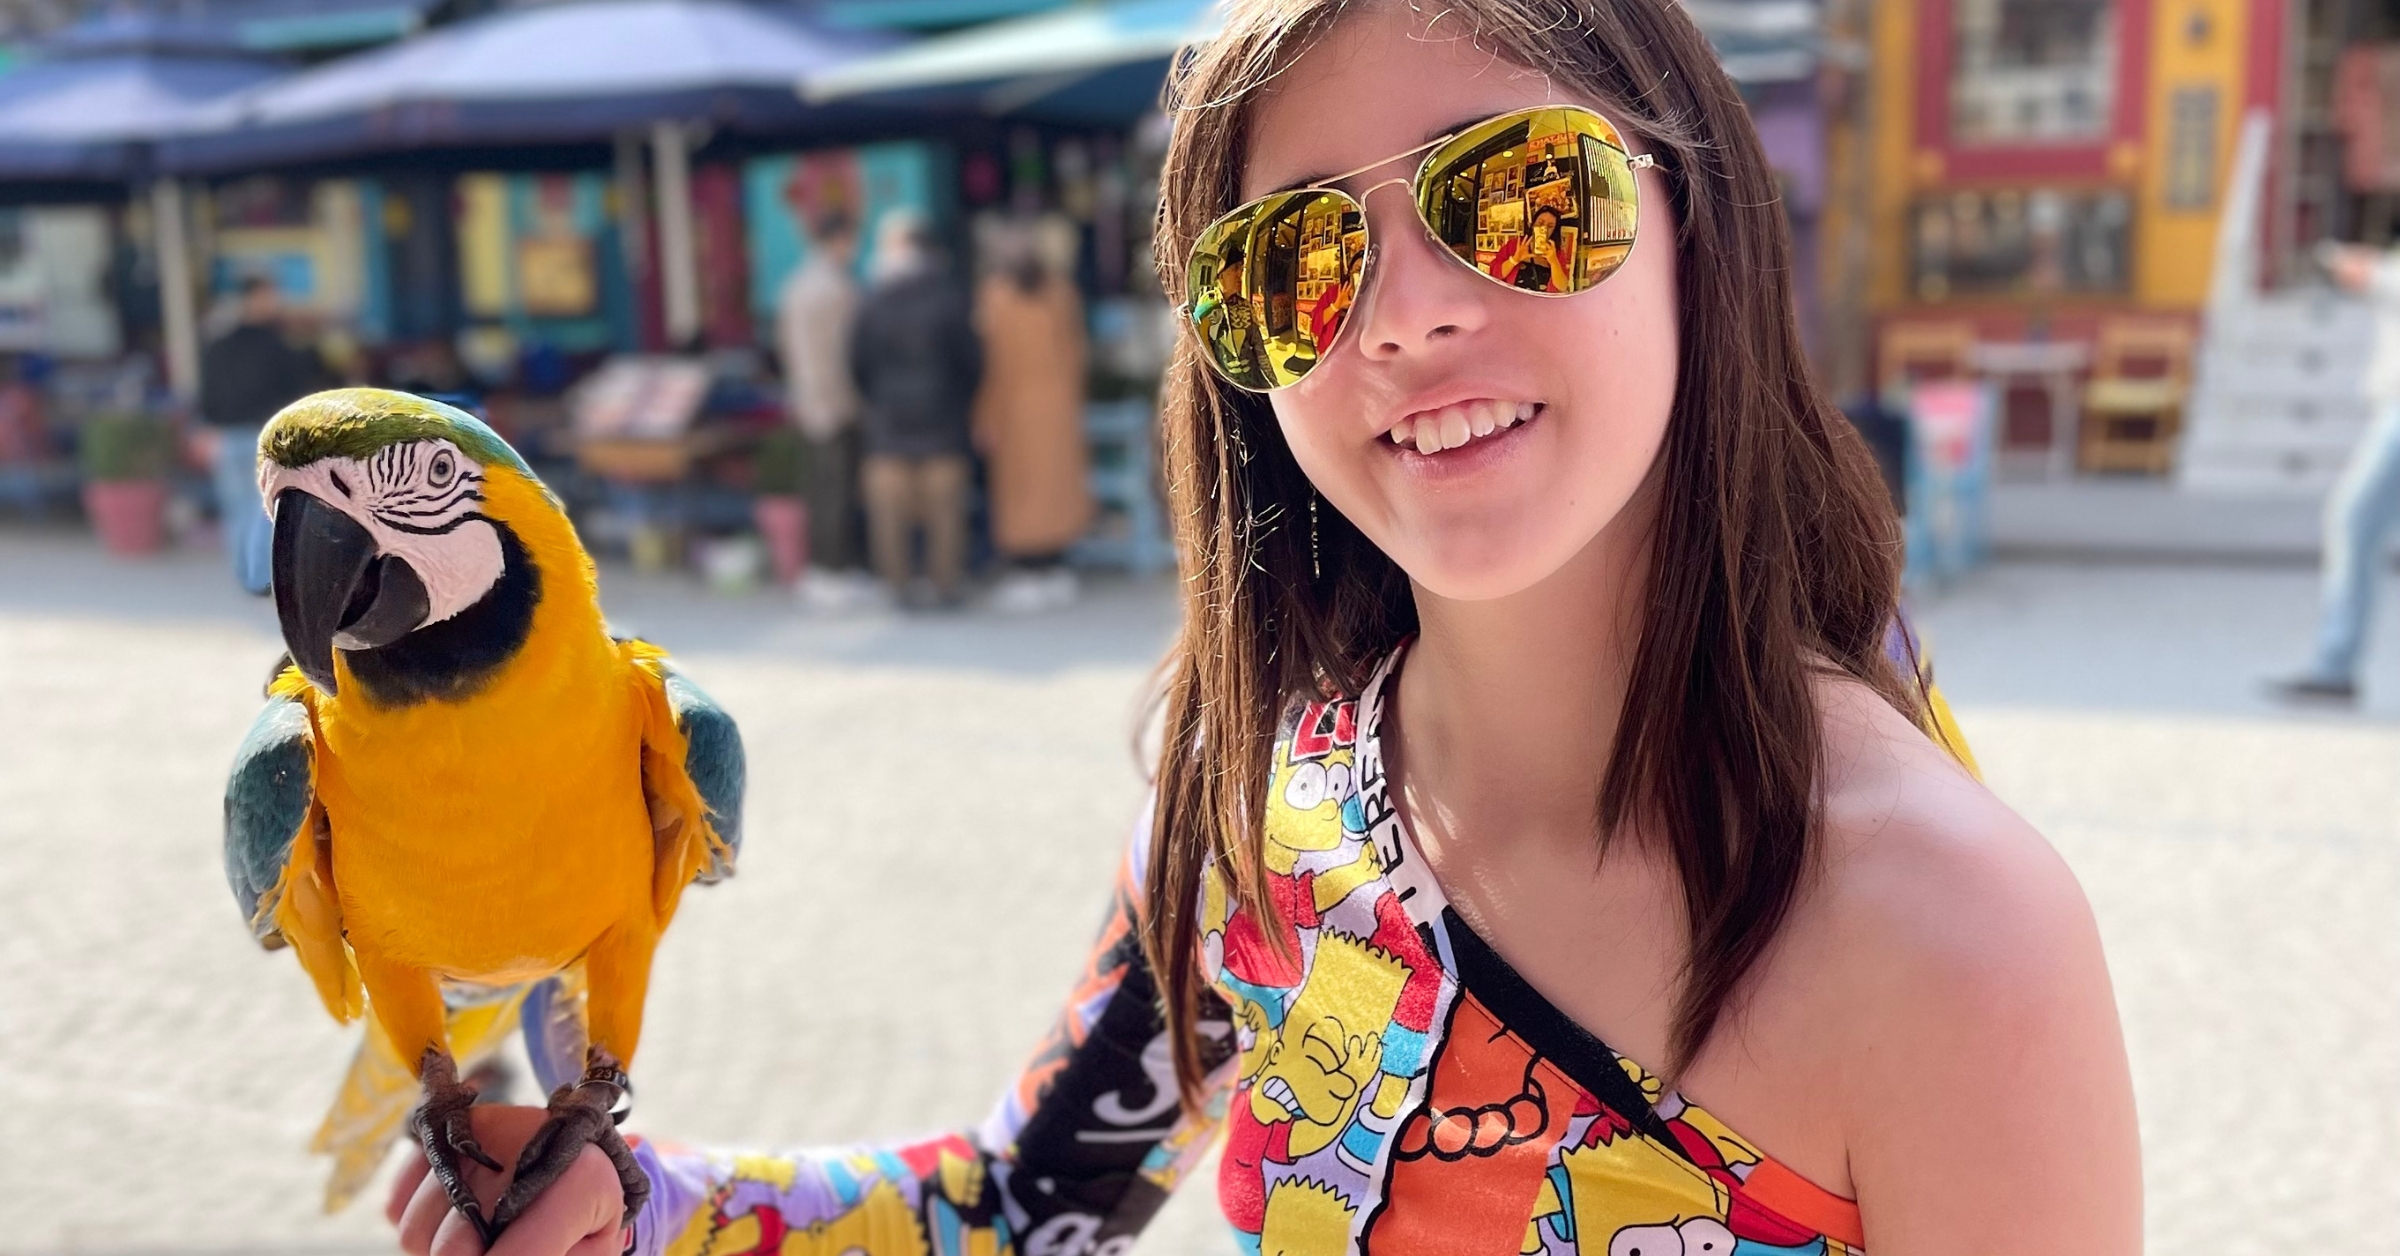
(1332, 1010)
(877, 1220)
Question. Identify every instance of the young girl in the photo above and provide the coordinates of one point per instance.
(1549, 853)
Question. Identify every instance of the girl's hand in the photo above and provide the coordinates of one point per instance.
(582, 1214)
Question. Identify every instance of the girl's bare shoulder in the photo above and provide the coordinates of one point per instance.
(1942, 918)
(1931, 875)
(1953, 967)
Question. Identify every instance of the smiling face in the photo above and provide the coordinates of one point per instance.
(1480, 437)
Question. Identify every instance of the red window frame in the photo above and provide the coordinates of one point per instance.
(1937, 52)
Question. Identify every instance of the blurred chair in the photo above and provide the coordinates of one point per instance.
(2141, 378)
(1913, 350)
(2043, 371)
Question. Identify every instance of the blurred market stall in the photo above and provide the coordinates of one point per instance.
(497, 206)
(79, 216)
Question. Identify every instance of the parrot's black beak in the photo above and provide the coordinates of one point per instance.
(333, 590)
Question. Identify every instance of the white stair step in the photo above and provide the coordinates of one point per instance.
(2263, 430)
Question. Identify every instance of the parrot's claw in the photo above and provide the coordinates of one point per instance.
(443, 1127)
(582, 1113)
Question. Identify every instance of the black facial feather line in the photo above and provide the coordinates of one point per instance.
(401, 477)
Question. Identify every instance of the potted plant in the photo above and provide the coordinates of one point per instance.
(126, 456)
(778, 511)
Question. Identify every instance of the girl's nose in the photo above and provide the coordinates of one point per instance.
(1418, 297)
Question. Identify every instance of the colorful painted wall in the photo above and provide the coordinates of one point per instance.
(2110, 188)
(538, 254)
(866, 182)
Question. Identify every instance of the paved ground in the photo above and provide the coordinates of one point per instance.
(935, 812)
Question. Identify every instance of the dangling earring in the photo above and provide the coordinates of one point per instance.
(1316, 565)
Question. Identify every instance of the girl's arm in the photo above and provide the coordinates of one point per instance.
(1083, 1148)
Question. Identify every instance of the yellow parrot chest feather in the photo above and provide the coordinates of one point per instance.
(491, 840)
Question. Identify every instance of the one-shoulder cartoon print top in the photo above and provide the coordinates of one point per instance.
(1384, 1084)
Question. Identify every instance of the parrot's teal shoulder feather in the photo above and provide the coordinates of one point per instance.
(266, 803)
(712, 758)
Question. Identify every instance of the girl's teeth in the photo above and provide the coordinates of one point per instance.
(1453, 426)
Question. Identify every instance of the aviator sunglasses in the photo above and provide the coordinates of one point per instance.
(1539, 200)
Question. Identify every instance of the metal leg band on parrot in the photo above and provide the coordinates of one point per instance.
(443, 1126)
(586, 1112)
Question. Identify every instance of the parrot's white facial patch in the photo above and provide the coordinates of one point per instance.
(422, 501)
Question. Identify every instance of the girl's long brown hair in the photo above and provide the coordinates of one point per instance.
(1775, 557)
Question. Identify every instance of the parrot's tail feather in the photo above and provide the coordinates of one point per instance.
(381, 1089)
(365, 1119)
(557, 1030)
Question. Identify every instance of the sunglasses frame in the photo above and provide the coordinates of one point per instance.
(1430, 148)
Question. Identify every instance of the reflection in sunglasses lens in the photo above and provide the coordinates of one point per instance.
(1542, 201)
(1273, 283)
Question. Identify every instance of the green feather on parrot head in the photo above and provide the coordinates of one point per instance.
(357, 423)
(400, 542)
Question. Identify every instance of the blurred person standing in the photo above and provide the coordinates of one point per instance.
(916, 360)
(1029, 422)
(24, 439)
(814, 318)
(246, 375)
(2364, 501)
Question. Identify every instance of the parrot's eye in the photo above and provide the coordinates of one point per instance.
(442, 470)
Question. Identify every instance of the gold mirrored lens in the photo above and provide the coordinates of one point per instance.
(1272, 282)
(1541, 200)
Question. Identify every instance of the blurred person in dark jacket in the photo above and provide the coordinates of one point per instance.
(246, 375)
(916, 359)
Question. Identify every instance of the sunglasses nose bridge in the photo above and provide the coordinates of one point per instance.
(1378, 232)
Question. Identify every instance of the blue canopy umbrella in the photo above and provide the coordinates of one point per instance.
(562, 73)
(87, 105)
(1762, 41)
(1086, 62)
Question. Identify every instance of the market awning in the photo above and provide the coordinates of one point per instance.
(319, 25)
(1087, 60)
(560, 73)
(90, 99)
(1761, 41)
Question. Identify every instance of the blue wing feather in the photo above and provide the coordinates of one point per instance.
(266, 801)
(713, 758)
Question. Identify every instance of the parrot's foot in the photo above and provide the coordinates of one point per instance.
(583, 1113)
(448, 1136)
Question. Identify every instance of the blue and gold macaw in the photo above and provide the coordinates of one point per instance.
(463, 794)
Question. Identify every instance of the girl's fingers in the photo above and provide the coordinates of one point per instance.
(456, 1237)
(404, 1187)
(421, 1220)
(585, 1204)
(609, 1242)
